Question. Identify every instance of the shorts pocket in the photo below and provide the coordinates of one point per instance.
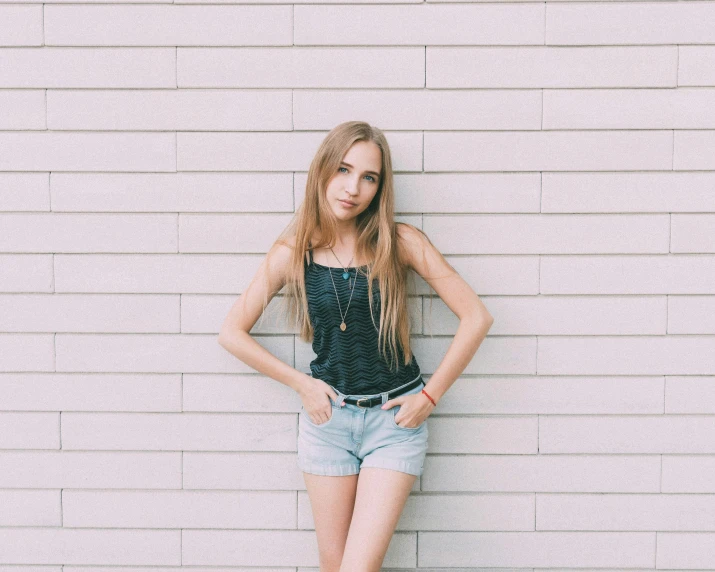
(394, 410)
(304, 414)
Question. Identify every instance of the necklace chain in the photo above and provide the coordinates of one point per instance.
(345, 268)
(343, 325)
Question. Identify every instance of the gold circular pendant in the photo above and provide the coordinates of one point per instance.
(343, 326)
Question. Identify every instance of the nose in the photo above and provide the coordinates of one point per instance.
(351, 187)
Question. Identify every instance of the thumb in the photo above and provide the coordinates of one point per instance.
(334, 397)
(390, 403)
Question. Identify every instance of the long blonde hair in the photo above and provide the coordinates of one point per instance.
(376, 240)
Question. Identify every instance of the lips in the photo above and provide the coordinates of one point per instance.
(347, 203)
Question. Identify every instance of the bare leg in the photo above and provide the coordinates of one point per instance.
(381, 496)
(332, 500)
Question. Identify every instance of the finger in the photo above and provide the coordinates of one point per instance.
(335, 398)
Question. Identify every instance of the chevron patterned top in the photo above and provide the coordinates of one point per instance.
(349, 360)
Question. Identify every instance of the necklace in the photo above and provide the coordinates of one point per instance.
(352, 289)
(346, 275)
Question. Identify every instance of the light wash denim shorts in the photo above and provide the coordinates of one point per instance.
(357, 437)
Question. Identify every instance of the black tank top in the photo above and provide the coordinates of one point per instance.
(350, 360)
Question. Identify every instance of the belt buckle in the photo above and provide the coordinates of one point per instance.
(362, 399)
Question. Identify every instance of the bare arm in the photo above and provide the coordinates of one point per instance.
(234, 335)
(474, 318)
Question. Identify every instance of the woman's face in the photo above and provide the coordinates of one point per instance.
(356, 181)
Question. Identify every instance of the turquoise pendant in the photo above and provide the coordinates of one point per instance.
(346, 275)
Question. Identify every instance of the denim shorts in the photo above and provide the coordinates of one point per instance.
(357, 437)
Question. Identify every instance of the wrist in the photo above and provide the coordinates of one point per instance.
(429, 397)
(302, 383)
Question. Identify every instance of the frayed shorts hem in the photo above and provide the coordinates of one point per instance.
(395, 465)
(328, 470)
(344, 470)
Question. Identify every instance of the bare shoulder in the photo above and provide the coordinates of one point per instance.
(411, 243)
(421, 255)
(278, 259)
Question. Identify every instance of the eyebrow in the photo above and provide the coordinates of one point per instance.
(370, 172)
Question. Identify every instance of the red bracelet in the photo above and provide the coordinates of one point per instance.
(428, 397)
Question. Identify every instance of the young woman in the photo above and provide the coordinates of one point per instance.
(344, 262)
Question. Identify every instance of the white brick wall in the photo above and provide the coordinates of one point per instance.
(560, 154)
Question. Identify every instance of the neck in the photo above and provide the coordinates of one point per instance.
(346, 233)
(345, 237)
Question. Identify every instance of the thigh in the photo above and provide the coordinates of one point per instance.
(331, 500)
(380, 499)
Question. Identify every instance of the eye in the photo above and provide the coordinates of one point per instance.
(372, 179)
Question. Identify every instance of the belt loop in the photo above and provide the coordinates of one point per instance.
(341, 397)
(384, 397)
